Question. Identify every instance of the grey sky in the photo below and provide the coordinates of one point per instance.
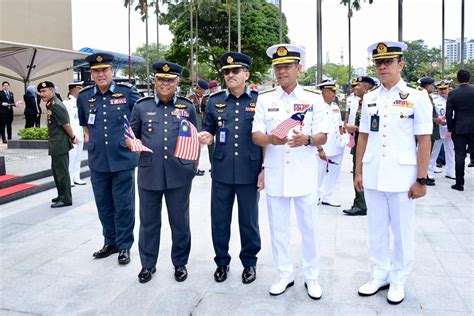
(103, 24)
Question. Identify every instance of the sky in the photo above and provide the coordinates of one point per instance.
(103, 25)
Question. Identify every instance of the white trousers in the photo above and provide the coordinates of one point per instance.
(448, 154)
(75, 155)
(327, 176)
(396, 212)
(279, 218)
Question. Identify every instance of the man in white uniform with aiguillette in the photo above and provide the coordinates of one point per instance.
(393, 151)
(289, 122)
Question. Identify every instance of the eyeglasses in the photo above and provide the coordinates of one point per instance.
(386, 61)
(234, 71)
(284, 67)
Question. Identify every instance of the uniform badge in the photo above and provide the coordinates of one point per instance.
(221, 105)
(117, 95)
(252, 104)
(98, 58)
(92, 100)
(300, 107)
(150, 113)
(282, 51)
(180, 106)
(230, 60)
(382, 48)
(403, 96)
(165, 68)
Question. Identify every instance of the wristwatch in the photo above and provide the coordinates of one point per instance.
(310, 141)
(421, 181)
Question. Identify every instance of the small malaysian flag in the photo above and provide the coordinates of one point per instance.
(281, 131)
(187, 145)
(137, 145)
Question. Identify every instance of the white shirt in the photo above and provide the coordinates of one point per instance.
(390, 159)
(334, 144)
(352, 107)
(440, 107)
(290, 172)
(71, 106)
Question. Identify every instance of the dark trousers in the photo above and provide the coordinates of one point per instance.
(6, 120)
(59, 167)
(222, 202)
(177, 203)
(461, 141)
(114, 194)
(359, 200)
(30, 120)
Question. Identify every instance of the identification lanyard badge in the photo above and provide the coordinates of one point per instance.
(374, 123)
(222, 135)
(91, 119)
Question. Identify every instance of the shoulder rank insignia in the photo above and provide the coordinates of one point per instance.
(403, 96)
(268, 90)
(311, 90)
(217, 92)
(92, 100)
(180, 106)
(184, 98)
(126, 84)
(145, 98)
(220, 105)
(117, 95)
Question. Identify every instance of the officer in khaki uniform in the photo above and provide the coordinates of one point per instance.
(291, 172)
(60, 140)
(155, 121)
(393, 151)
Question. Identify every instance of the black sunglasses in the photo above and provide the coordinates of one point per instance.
(386, 61)
(235, 71)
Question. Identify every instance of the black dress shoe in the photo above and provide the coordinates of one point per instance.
(60, 204)
(106, 251)
(124, 256)
(200, 172)
(471, 164)
(430, 181)
(221, 273)
(457, 187)
(180, 273)
(56, 199)
(4, 141)
(249, 275)
(354, 211)
(145, 274)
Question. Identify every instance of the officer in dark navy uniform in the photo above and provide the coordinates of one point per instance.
(236, 166)
(101, 109)
(155, 122)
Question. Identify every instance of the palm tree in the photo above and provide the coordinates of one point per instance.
(229, 14)
(442, 38)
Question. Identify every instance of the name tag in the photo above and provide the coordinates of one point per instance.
(374, 123)
(91, 119)
(371, 105)
(118, 101)
(273, 109)
(222, 135)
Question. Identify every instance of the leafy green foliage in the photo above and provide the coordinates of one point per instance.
(139, 70)
(334, 71)
(355, 4)
(33, 133)
(421, 61)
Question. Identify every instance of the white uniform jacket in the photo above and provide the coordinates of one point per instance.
(352, 107)
(71, 106)
(390, 159)
(290, 172)
(334, 144)
(440, 107)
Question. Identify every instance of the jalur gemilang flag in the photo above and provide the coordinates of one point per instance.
(187, 145)
(136, 144)
(281, 131)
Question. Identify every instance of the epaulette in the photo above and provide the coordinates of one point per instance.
(409, 85)
(125, 84)
(216, 93)
(145, 98)
(268, 90)
(312, 90)
(86, 88)
(181, 97)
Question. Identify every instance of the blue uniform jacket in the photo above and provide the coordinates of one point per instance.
(106, 146)
(156, 124)
(238, 160)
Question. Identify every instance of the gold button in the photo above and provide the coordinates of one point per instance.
(166, 107)
(236, 136)
(166, 114)
(236, 145)
(118, 108)
(166, 139)
(383, 156)
(106, 143)
(150, 130)
(384, 135)
(385, 115)
(384, 145)
(166, 131)
(236, 127)
(236, 111)
(385, 125)
(166, 157)
(105, 120)
(103, 106)
(104, 98)
(166, 122)
(287, 162)
(149, 121)
(105, 113)
(105, 127)
(236, 153)
(237, 103)
(105, 135)
(236, 119)
(166, 148)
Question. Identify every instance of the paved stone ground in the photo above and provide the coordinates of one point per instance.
(46, 265)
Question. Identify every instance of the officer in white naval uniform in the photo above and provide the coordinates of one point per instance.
(445, 137)
(75, 154)
(331, 153)
(352, 103)
(290, 166)
(391, 168)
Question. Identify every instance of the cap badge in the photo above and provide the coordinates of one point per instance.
(359, 79)
(165, 68)
(382, 48)
(282, 51)
(43, 85)
(98, 58)
(230, 60)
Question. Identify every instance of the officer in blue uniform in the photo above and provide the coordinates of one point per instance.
(155, 122)
(101, 109)
(236, 165)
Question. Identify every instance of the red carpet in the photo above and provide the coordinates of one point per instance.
(7, 177)
(16, 188)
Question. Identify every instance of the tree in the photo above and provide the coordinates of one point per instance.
(340, 73)
(355, 4)
(260, 29)
(421, 61)
(139, 70)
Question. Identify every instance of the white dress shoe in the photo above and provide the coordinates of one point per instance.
(79, 182)
(396, 294)
(372, 287)
(330, 203)
(314, 289)
(281, 286)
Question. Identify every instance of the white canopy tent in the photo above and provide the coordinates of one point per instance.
(27, 60)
